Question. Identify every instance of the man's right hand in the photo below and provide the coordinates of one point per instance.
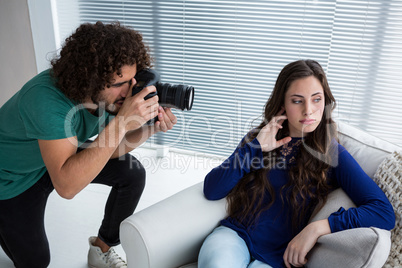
(136, 111)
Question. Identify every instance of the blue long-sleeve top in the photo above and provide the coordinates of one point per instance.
(269, 236)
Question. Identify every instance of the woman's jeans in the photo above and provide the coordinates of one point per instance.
(225, 248)
(22, 233)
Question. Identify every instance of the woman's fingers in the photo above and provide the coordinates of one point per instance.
(283, 141)
(267, 135)
(279, 119)
(291, 257)
(286, 258)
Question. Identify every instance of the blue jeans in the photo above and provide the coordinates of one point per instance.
(225, 248)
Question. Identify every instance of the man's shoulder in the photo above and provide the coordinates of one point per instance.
(42, 90)
(44, 79)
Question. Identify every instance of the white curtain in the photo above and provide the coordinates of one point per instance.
(233, 51)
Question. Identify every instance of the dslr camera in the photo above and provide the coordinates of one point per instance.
(172, 96)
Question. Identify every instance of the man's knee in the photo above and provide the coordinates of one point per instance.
(34, 259)
(132, 171)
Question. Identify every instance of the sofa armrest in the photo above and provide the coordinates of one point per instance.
(170, 232)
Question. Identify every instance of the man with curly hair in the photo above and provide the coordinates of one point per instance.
(45, 126)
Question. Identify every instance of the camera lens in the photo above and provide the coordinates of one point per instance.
(175, 96)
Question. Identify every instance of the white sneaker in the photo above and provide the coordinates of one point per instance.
(98, 259)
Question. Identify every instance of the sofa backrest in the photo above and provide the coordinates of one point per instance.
(368, 150)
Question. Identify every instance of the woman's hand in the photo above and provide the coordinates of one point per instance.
(267, 134)
(301, 244)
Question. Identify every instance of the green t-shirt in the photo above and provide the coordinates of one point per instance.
(38, 111)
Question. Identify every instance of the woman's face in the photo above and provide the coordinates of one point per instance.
(304, 105)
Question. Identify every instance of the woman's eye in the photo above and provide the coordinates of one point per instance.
(317, 100)
(296, 101)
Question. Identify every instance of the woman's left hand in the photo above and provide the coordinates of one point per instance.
(301, 244)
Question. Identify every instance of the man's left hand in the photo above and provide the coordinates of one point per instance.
(166, 120)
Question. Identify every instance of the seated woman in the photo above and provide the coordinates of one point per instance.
(278, 175)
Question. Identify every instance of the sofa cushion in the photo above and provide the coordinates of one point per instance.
(359, 247)
(368, 150)
(389, 179)
(336, 199)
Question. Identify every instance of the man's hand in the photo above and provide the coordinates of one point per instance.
(136, 111)
(133, 139)
(166, 120)
(301, 244)
(266, 136)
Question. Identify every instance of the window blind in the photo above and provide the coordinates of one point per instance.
(365, 66)
(233, 51)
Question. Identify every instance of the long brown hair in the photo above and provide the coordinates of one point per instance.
(308, 178)
(90, 57)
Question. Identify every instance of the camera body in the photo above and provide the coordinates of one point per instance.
(173, 96)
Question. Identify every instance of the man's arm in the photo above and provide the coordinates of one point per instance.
(133, 139)
(70, 171)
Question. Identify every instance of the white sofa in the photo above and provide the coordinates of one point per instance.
(169, 234)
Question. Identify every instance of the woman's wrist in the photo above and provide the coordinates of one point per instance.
(321, 227)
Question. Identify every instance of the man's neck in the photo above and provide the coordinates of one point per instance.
(91, 106)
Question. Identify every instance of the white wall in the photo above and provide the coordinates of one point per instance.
(42, 20)
(17, 55)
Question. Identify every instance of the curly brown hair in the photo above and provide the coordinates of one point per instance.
(308, 184)
(93, 54)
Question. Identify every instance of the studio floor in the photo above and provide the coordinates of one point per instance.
(69, 223)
